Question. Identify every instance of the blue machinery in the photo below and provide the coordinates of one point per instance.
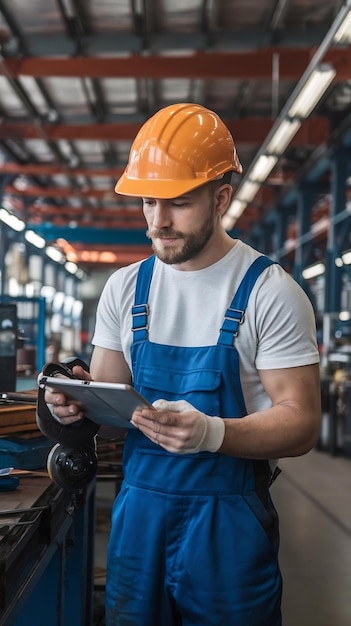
(46, 561)
(31, 319)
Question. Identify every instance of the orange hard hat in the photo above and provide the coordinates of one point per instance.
(178, 149)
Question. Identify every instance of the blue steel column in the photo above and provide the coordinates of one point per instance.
(305, 201)
(261, 238)
(3, 250)
(3, 238)
(281, 229)
(339, 170)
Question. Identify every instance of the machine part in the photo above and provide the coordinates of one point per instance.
(75, 434)
(178, 149)
(72, 468)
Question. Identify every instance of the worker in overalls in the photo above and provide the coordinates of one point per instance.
(222, 341)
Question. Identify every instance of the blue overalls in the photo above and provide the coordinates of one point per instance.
(194, 537)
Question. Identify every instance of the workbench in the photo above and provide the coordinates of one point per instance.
(46, 555)
(46, 537)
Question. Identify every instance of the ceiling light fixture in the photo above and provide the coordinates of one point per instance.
(55, 254)
(236, 208)
(312, 91)
(344, 316)
(346, 257)
(282, 136)
(247, 191)
(71, 267)
(262, 168)
(317, 269)
(343, 34)
(35, 239)
(11, 220)
(306, 95)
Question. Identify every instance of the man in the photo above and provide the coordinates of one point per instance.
(222, 342)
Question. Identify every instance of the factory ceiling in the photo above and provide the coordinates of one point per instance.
(79, 77)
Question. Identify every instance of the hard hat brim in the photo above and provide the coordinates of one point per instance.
(154, 188)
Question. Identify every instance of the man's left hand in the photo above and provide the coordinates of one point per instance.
(180, 428)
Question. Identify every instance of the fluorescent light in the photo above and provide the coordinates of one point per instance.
(346, 257)
(77, 309)
(343, 34)
(247, 191)
(48, 292)
(11, 220)
(55, 254)
(228, 222)
(282, 136)
(34, 239)
(262, 168)
(71, 267)
(58, 301)
(313, 270)
(236, 208)
(312, 91)
(68, 305)
(344, 316)
(80, 274)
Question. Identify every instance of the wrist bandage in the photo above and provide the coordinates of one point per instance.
(209, 432)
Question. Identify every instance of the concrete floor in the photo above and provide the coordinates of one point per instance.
(313, 498)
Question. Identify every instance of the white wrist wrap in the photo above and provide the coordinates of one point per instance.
(208, 432)
(214, 435)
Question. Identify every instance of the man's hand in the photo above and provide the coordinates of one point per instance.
(180, 428)
(62, 410)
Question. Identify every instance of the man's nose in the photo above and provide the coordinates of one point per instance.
(161, 216)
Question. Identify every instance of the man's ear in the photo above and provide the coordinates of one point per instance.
(223, 196)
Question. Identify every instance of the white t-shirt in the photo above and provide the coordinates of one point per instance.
(187, 309)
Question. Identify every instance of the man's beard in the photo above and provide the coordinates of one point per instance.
(193, 243)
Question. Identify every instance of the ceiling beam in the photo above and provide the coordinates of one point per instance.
(116, 213)
(57, 192)
(43, 169)
(110, 236)
(254, 64)
(246, 130)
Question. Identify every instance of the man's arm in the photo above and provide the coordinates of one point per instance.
(109, 366)
(290, 427)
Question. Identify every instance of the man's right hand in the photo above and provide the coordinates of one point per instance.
(60, 406)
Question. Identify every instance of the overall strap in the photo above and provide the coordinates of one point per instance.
(140, 309)
(235, 313)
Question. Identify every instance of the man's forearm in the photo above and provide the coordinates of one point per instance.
(282, 430)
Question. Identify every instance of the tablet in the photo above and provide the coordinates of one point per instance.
(109, 404)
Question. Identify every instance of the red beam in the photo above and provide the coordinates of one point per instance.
(245, 131)
(57, 192)
(42, 169)
(103, 132)
(256, 64)
(116, 213)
